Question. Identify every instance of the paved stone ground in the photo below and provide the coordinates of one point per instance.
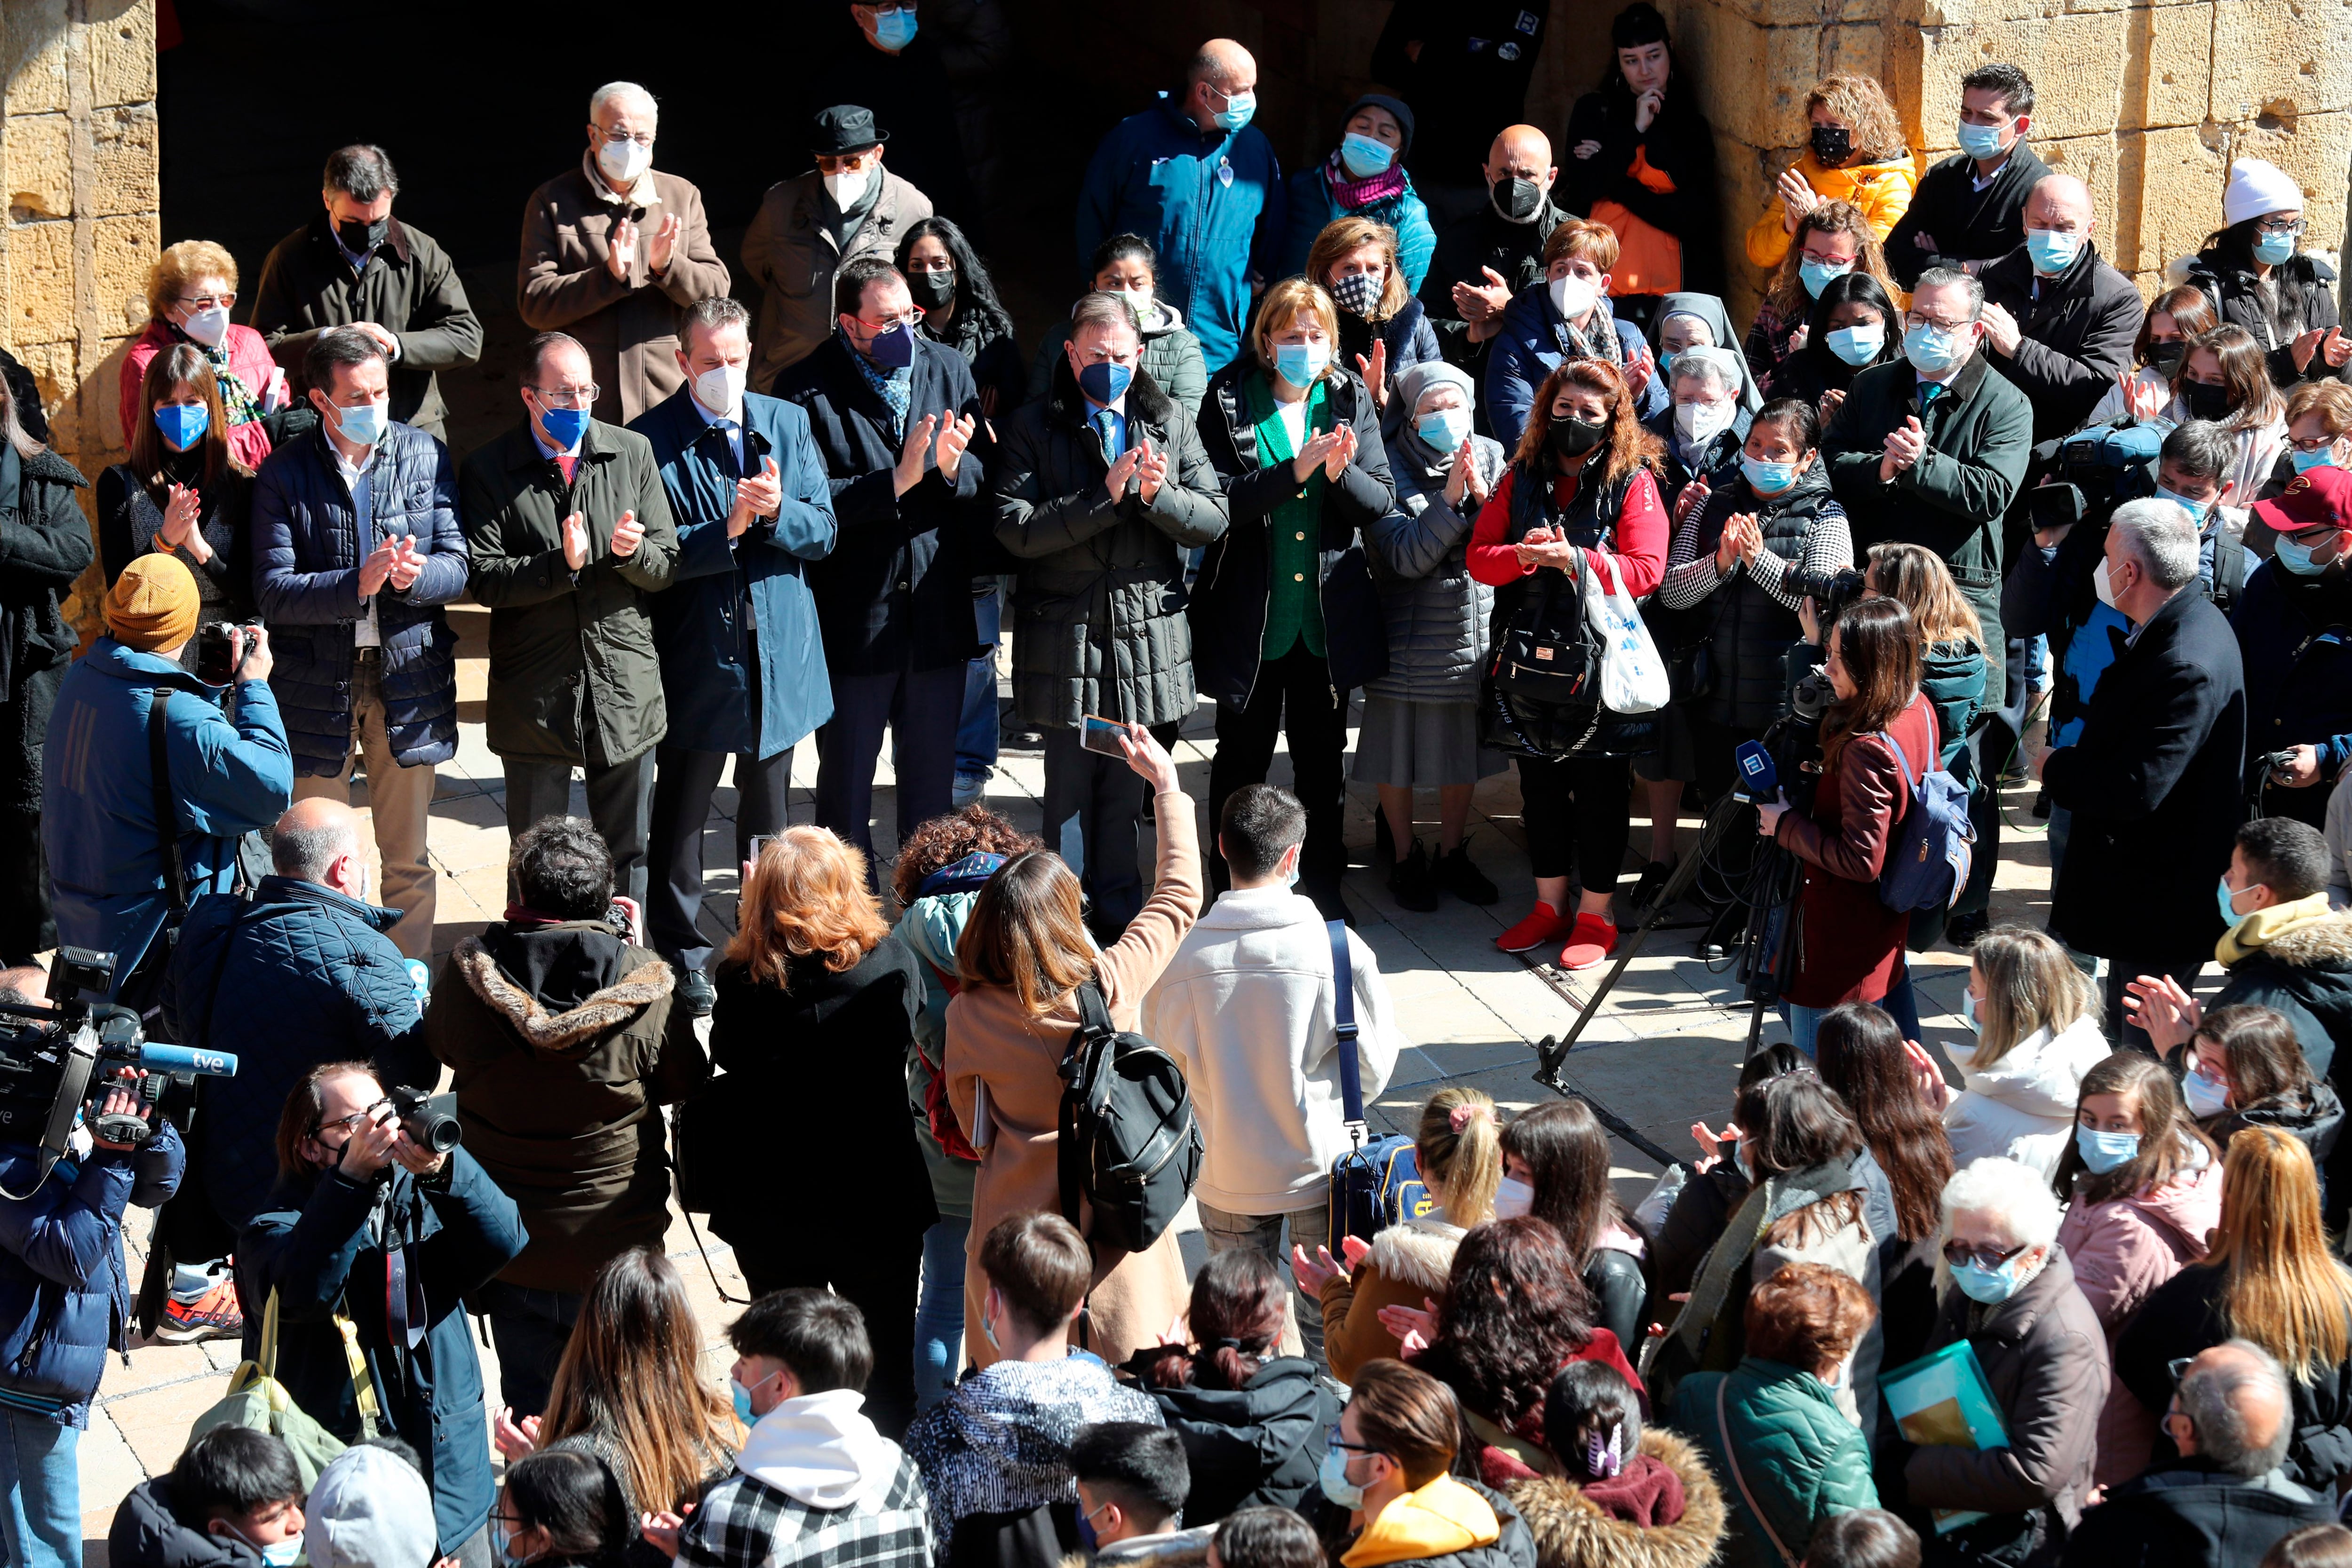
(1663, 1051)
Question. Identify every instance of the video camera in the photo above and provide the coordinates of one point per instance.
(2091, 473)
(59, 1059)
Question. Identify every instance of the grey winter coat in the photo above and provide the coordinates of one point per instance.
(1099, 610)
(1436, 614)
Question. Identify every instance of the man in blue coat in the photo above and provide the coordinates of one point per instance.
(226, 777)
(1194, 177)
(2294, 622)
(742, 665)
(356, 547)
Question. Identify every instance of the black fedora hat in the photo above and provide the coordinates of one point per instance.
(844, 128)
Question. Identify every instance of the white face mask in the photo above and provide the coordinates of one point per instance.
(1513, 1199)
(846, 187)
(1573, 296)
(1699, 422)
(207, 327)
(721, 389)
(623, 161)
(2103, 588)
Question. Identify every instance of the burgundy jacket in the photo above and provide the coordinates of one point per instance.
(1852, 942)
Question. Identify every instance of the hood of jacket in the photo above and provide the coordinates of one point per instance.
(1418, 1252)
(148, 1532)
(1435, 1521)
(820, 1449)
(567, 965)
(2188, 1205)
(932, 926)
(2324, 944)
(291, 894)
(1571, 1529)
(1168, 1549)
(2043, 1074)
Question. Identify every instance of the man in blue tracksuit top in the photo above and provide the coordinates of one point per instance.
(1194, 177)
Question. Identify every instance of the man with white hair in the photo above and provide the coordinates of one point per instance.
(2227, 1500)
(612, 251)
(2010, 1291)
(2155, 777)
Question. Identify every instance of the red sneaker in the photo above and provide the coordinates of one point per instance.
(1544, 924)
(213, 1315)
(1593, 940)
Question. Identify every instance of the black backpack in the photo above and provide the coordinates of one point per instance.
(1130, 1146)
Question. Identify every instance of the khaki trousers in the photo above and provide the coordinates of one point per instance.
(400, 800)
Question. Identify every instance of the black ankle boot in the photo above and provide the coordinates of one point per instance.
(1410, 884)
(1454, 873)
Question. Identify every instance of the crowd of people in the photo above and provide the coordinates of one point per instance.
(1299, 437)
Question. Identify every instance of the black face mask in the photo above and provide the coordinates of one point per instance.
(2167, 357)
(2205, 400)
(1833, 145)
(1572, 438)
(360, 238)
(1517, 199)
(931, 289)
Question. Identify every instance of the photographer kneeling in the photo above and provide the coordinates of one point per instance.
(1851, 944)
(366, 1224)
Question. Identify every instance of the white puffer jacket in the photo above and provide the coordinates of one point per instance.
(2022, 1106)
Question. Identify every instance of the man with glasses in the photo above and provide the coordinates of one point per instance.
(571, 535)
(1969, 209)
(1194, 177)
(612, 251)
(1930, 449)
(812, 225)
(893, 414)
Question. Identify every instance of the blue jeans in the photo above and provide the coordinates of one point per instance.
(43, 1522)
(938, 1311)
(1900, 1002)
(976, 734)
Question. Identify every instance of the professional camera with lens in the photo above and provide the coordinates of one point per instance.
(217, 650)
(1830, 592)
(429, 1120)
(58, 1061)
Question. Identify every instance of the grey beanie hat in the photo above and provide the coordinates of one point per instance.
(370, 1509)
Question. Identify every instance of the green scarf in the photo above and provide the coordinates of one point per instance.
(1294, 596)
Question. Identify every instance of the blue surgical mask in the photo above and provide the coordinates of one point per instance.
(895, 29)
(2273, 249)
(1365, 156)
(2104, 1152)
(2226, 899)
(1932, 350)
(2053, 250)
(503, 1543)
(1445, 430)
(1333, 1478)
(1857, 345)
(1106, 382)
(1087, 1536)
(2297, 559)
(1816, 274)
(2205, 1096)
(1990, 1286)
(361, 425)
(1979, 141)
(741, 1394)
(2196, 509)
(893, 349)
(183, 424)
(278, 1553)
(1239, 109)
(1767, 478)
(1300, 363)
(1968, 1012)
(2305, 461)
(565, 426)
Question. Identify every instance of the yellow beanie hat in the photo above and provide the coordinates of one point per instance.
(153, 604)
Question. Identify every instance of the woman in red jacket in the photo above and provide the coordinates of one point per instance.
(1581, 480)
(1849, 947)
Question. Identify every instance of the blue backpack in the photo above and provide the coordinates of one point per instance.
(1929, 852)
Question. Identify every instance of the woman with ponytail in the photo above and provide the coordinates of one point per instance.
(1252, 1420)
(1458, 1147)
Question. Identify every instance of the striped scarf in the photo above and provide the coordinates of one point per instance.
(1357, 195)
(1598, 341)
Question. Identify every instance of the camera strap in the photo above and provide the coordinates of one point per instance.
(159, 776)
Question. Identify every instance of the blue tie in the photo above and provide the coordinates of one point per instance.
(1108, 423)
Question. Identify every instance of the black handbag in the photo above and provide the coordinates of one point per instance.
(1538, 659)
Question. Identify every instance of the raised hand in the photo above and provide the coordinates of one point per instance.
(1477, 302)
(1121, 471)
(512, 1440)
(955, 434)
(909, 473)
(627, 535)
(1904, 447)
(575, 529)
(2335, 348)
(1459, 474)
(1342, 452)
(2305, 345)
(1927, 1077)
(1353, 1250)
(665, 243)
(1831, 400)
(2143, 399)
(1375, 372)
(2158, 1005)
(1693, 498)
(1318, 447)
(1645, 109)
(1313, 1273)
(2001, 329)
(1797, 198)
(1150, 472)
(181, 514)
(621, 249)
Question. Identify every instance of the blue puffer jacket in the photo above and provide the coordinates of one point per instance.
(317, 1246)
(98, 827)
(298, 978)
(63, 1294)
(1530, 347)
(307, 552)
(1314, 208)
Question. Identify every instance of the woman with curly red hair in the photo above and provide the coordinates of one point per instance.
(1581, 496)
(816, 1014)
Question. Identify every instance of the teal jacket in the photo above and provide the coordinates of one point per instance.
(930, 929)
(1800, 1460)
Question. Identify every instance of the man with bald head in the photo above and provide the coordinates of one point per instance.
(1486, 257)
(2059, 321)
(1194, 177)
(301, 975)
(2227, 1500)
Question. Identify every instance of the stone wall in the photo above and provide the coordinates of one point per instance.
(2146, 103)
(78, 157)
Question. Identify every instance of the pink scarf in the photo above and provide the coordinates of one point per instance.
(1357, 195)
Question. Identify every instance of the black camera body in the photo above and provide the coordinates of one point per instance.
(429, 1120)
(1830, 592)
(217, 650)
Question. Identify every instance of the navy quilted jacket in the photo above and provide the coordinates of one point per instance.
(304, 976)
(306, 567)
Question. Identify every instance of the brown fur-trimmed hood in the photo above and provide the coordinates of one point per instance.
(2319, 943)
(575, 1030)
(1570, 1532)
(1418, 1252)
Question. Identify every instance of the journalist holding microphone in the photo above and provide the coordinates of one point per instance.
(1878, 740)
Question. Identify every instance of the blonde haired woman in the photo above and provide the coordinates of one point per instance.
(816, 1015)
(1023, 955)
(1853, 152)
(2271, 1279)
(1285, 619)
(1459, 1150)
(2036, 1018)
(191, 289)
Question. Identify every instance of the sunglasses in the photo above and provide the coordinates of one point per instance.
(1982, 1257)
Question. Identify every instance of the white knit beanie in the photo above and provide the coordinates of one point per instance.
(2256, 188)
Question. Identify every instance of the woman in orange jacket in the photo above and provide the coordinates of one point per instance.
(1853, 152)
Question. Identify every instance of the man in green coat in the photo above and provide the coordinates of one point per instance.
(571, 535)
(1930, 449)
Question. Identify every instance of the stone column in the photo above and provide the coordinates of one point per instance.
(77, 151)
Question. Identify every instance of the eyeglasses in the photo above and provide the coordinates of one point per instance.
(842, 162)
(621, 138)
(2313, 444)
(206, 301)
(1957, 1255)
(350, 1123)
(911, 317)
(568, 397)
(2279, 226)
(1339, 1442)
(1920, 318)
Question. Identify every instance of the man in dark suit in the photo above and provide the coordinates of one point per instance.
(2154, 779)
(893, 414)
